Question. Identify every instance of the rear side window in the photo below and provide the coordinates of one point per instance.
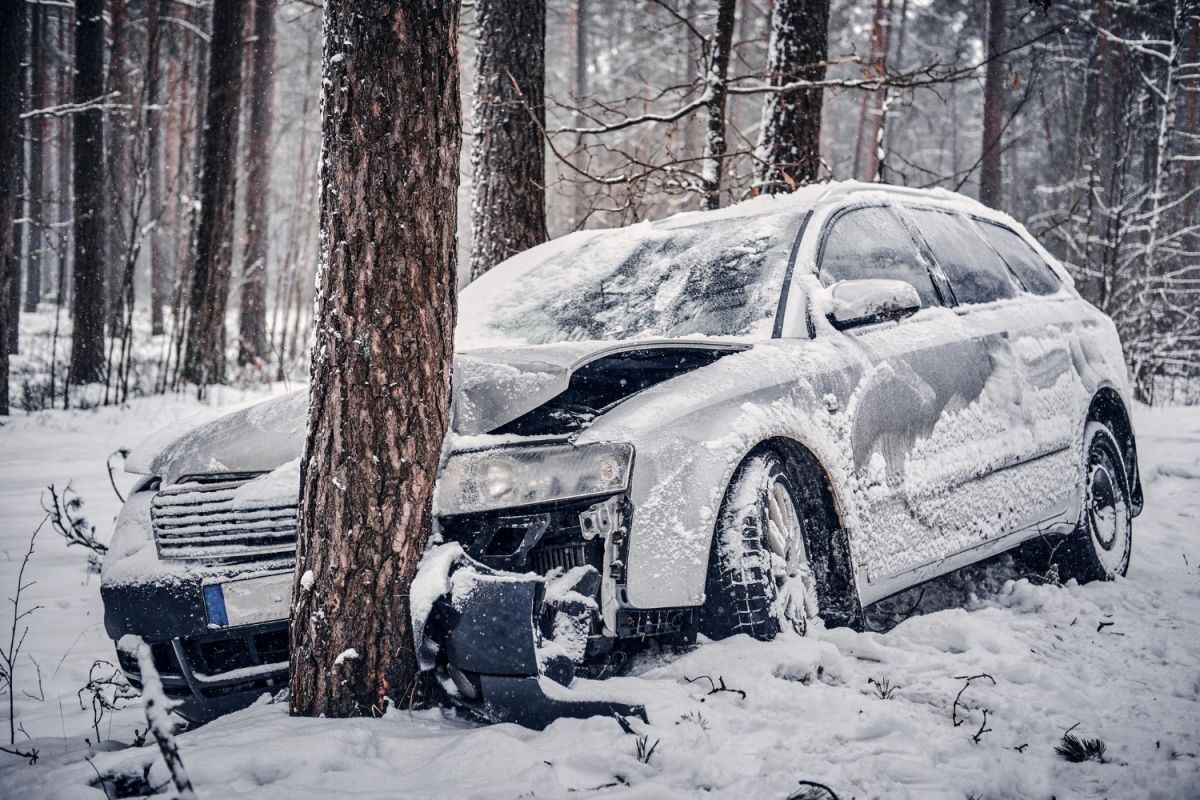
(975, 273)
(872, 243)
(1021, 258)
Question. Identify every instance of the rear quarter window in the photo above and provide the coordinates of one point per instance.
(974, 271)
(1022, 259)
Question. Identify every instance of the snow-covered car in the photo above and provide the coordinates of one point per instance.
(726, 422)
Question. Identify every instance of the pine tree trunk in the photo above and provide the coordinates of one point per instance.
(252, 321)
(381, 361)
(870, 121)
(579, 196)
(39, 135)
(789, 143)
(65, 183)
(508, 157)
(995, 95)
(12, 24)
(204, 359)
(715, 90)
(12, 262)
(116, 196)
(157, 128)
(88, 300)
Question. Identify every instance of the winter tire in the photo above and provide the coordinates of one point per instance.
(1100, 546)
(759, 578)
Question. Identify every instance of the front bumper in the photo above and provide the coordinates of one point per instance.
(208, 671)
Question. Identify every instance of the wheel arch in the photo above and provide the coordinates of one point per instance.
(828, 541)
(1107, 407)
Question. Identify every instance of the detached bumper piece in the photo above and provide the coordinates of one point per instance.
(494, 635)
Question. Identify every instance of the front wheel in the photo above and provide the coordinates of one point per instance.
(1100, 546)
(759, 577)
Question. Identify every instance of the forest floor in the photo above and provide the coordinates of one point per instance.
(870, 715)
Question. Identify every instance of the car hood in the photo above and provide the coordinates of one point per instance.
(491, 387)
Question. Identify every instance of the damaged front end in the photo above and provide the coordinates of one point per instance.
(527, 597)
(506, 647)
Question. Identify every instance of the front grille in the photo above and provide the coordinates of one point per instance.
(200, 520)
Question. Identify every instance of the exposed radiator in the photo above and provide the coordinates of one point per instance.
(199, 520)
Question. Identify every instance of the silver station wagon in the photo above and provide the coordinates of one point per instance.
(740, 421)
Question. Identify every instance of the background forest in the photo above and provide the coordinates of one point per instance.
(151, 253)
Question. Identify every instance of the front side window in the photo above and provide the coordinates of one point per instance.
(1020, 257)
(871, 242)
(975, 273)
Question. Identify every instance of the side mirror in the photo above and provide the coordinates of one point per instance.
(862, 302)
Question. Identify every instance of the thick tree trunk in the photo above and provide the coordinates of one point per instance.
(715, 90)
(252, 320)
(88, 300)
(381, 360)
(12, 24)
(995, 96)
(117, 194)
(204, 359)
(789, 139)
(39, 135)
(508, 157)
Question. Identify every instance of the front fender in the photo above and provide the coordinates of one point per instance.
(691, 433)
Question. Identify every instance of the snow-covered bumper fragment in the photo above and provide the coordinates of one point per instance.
(503, 645)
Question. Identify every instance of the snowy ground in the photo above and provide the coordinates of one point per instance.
(869, 715)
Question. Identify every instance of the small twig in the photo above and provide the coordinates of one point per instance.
(123, 453)
(31, 754)
(982, 728)
(716, 687)
(958, 698)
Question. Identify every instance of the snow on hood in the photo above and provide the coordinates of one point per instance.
(491, 387)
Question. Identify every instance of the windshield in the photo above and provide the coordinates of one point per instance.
(719, 278)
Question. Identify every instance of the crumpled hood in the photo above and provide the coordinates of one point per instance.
(491, 387)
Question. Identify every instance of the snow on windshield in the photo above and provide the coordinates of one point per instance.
(715, 276)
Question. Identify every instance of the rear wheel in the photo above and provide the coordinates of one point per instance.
(1100, 546)
(759, 577)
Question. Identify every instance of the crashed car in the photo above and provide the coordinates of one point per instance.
(738, 421)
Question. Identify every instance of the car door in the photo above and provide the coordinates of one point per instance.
(917, 370)
(1014, 485)
(1043, 335)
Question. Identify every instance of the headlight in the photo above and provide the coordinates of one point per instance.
(507, 477)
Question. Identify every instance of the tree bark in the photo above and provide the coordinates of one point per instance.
(715, 90)
(156, 129)
(20, 187)
(789, 141)
(508, 157)
(116, 196)
(88, 300)
(204, 359)
(39, 135)
(252, 320)
(870, 120)
(65, 135)
(12, 23)
(380, 378)
(995, 96)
